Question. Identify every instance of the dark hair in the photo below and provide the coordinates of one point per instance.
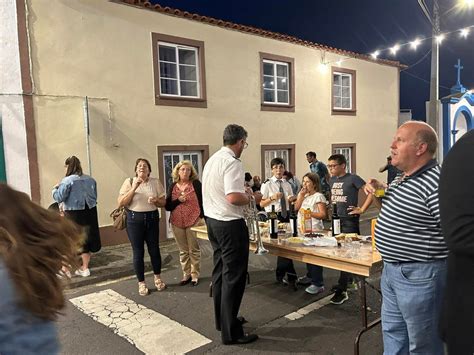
(341, 159)
(277, 161)
(34, 244)
(288, 174)
(147, 163)
(234, 133)
(73, 166)
(248, 176)
(315, 180)
(311, 154)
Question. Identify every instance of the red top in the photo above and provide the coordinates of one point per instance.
(186, 214)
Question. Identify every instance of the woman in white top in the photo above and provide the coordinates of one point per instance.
(311, 197)
(142, 195)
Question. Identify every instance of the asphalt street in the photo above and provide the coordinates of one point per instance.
(181, 317)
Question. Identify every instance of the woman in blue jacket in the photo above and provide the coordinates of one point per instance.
(78, 194)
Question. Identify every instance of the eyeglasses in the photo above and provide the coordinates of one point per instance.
(330, 166)
(246, 145)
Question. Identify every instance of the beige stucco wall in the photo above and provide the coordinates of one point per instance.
(103, 50)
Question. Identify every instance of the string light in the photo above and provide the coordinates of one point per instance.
(415, 43)
(394, 49)
(464, 32)
(440, 38)
(375, 54)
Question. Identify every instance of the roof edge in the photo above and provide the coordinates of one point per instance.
(254, 31)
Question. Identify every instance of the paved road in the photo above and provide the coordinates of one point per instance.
(113, 319)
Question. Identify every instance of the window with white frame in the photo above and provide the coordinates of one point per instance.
(179, 70)
(349, 152)
(342, 91)
(276, 82)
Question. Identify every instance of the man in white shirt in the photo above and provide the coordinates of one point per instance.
(224, 197)
(277, 192)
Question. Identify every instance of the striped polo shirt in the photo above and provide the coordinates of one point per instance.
(408, 227)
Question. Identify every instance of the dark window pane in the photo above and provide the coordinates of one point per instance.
(282, 70)
(267, 69)
(175, 159)
(268, 82)
(337, 90)
(187, 72)
(337, 102)
(168, 70)
(346, 103)
(186, 156)
(268, 96)
(337, 79)
(169, 86)
(194, 160)
(346, 92)
(187, 56)
(188, 88)
(346, 80)
(168, 170)
(282, 83)
(167, 53)
(283, 96)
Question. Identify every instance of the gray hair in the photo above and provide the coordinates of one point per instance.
(425, 134)
(233, 133)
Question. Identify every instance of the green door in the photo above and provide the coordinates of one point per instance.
(3, 175)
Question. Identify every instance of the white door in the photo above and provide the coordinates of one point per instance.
(170, 159)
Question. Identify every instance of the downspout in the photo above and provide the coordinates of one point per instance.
(85, 106)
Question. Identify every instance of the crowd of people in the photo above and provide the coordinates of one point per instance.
(426, 241)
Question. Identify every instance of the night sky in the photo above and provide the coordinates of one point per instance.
(363, 26)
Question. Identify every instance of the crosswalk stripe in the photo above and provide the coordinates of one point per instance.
(300, 313)
(150, 331)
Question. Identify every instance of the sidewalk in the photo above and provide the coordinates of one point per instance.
(116, 261)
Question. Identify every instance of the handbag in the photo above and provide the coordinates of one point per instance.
(119, 216)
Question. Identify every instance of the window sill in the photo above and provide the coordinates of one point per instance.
(180, 101)
(277, 108)
(337, 112)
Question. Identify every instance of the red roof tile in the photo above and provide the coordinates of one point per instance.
(254, 30)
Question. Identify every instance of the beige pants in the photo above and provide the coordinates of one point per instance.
(189, 251)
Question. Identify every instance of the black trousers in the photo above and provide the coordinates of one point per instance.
(285, 266)
(230, 242)
(348, 225)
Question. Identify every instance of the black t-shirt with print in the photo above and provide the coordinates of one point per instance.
(345, 192)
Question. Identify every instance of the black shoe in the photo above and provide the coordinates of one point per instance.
(334, 288)
(339, 297)
(247, 338)
(292, 285)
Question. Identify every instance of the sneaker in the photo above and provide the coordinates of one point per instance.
(334, 288)
(339, 297)
(83, 273)
(314, 290)
(304, 280)
(352, 286)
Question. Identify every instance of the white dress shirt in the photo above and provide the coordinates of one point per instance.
(223, 174)
(271, 187)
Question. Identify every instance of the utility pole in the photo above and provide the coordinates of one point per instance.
(433, 117)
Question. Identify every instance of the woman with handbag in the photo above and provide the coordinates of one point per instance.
(142, 196)
(184, 201)
(78, 194)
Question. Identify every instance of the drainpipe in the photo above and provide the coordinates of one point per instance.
(85, 106)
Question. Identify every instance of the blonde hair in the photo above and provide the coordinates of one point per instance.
(34, 244)
(175, 175)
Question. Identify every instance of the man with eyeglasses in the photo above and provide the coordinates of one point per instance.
(224, 198)
(408, 236)
(345, 194)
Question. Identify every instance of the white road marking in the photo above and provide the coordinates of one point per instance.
(300, 313)
(150, 331)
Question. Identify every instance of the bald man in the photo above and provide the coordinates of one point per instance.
(408, 236)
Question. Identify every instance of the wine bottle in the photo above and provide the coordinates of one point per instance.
(293, 221)
(273, 223)
(336, 221)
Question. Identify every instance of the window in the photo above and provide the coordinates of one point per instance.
(349, 151)
(179, 71)
(277, 83)
(343, 91)
(284, 151)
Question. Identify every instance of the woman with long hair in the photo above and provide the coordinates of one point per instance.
(34, 244)
(78, 194)
(310, 196)
(184, 200)
(141, 196)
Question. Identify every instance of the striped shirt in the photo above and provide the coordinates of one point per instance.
(409, 227)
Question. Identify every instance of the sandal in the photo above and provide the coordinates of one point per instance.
(185, 280)
(142, 289)
(160, 285)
